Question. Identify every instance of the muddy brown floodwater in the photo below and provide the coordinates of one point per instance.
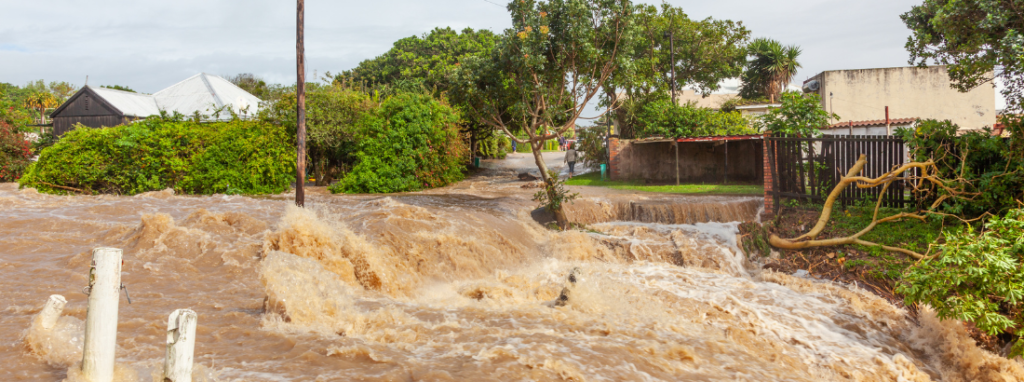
(454, 284)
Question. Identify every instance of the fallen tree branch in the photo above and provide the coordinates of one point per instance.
(66, 188)
(809, 239)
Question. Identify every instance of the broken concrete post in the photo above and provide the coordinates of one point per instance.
(181, 344)
(101, 318)
(52, 311)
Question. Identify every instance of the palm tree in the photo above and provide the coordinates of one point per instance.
(41, 100)
(770, 70)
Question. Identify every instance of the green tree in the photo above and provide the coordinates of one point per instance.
(800, 114)
(668, 120)
(119, 87)
(332, 114)
(706, 52)
(541, 75)
(770, 69)
(420, 62)
(250, 83)
(424, 64)
(41, 101)
(979, 40)
(62, 90)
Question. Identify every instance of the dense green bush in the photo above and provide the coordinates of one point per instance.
(332, 113)
(977, 278)
(226, 157)
(497, 146)
(800, 114)
(410, 142)
(987, 170)
(669, 120)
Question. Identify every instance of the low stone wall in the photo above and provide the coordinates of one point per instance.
(698, 161)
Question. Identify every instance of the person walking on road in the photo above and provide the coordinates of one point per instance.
(570, 158)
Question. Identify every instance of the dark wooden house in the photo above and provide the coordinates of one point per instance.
(202, 93)
(101, 107)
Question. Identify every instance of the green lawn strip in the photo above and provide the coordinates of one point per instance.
(910, 234)
(594, 179)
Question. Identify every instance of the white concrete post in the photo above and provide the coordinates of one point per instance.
(51, 312)
(101, 318)
(181, 345)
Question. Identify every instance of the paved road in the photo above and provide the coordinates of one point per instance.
(524, 162)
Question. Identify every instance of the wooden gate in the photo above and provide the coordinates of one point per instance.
(809, 168)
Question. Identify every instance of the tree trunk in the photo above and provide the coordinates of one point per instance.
(538, 156)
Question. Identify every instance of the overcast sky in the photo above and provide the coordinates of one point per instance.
(148, 45)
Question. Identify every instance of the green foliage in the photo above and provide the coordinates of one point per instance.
(974, 38)
(733, 103)
(668, 120)
(973, 162)
(15, 152)
(409, 143)
(799, 114)
(705, 52)
(118, 87)
(771, 68)
(979, 278)
(418, 62)
(554, 194)
(590, 147)
(236, 157)
(425, 64)
(332, 114)
(496, 146)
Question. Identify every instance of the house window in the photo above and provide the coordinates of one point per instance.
(86, 102)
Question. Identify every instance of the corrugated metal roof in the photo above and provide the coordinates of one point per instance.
(875, 122)
(206, 93)
(130, 104)
(709, 138)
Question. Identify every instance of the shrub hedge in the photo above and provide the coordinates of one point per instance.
(975, 162)
(225, 157)
(409, 143)
(665, 119)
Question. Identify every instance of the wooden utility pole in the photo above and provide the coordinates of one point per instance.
(300, 93)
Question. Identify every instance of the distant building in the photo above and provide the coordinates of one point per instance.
(909, 92)
(756, 109)
(206, 94)
(874, 127)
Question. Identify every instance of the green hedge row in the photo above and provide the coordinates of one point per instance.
(239, 157)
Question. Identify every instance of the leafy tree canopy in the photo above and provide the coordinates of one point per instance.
(668, 120)
(421, 62)
(978, 39)
(706, 52)
(800, 114)
(118, 87)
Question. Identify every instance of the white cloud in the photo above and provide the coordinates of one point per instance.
(149, 45)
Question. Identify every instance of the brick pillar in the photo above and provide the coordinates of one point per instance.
(769, 183)
(614, 168)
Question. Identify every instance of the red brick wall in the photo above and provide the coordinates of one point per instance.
(769, 183)
(614, 163)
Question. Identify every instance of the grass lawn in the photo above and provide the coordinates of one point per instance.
(594, 179)
(867, 266)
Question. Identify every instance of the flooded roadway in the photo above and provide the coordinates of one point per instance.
(453, 284)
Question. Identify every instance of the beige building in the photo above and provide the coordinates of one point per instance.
(909, 92)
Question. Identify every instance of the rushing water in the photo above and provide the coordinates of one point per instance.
(456, 284)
